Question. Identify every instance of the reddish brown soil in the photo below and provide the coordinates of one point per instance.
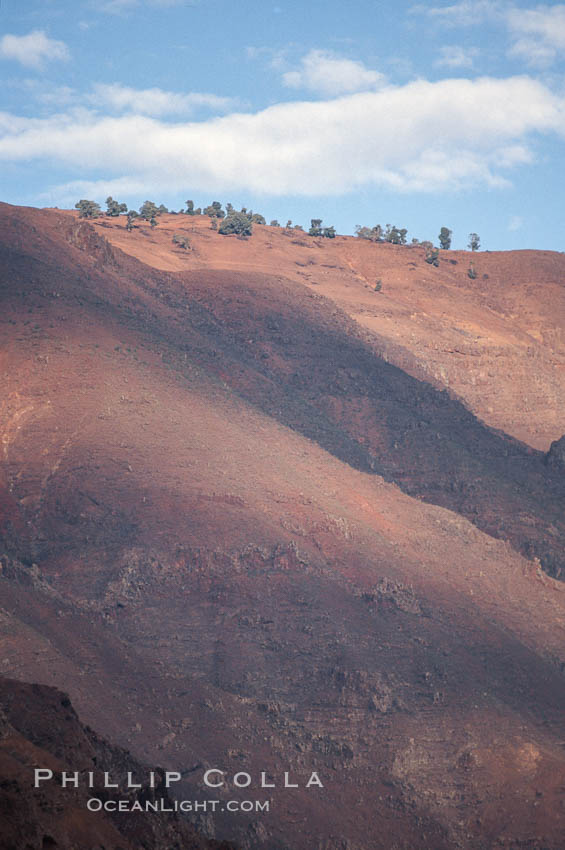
(201, 546)
(468, 335)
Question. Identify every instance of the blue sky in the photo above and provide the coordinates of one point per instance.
(414, 114)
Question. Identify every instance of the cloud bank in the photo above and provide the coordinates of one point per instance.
(423, 137)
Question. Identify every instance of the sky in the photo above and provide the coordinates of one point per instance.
(420, 115)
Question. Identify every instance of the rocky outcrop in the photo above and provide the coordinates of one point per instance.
(40, 729)
(555, 457)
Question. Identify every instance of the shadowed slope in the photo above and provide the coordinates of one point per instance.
(198, 545)
(467, 334)
(39, 728)
(296, 357)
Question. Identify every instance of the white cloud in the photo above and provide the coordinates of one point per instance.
(60, 96)
(539, 33)
(454, 56)
(32, 50)
(326, 74)
(422, 136)
(463, 14)
(116, 98)
(154, 101)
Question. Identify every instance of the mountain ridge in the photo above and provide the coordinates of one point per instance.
(195, 519)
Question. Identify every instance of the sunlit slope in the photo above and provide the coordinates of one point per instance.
(201, 547)
(464, 333)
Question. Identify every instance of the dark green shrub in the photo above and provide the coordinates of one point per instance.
(372, 234)
(148, 211)
(132, 214)
(113, 208)
(181, 241)
(237, 223)
(445, 238)
(214, 210)
(88, 209)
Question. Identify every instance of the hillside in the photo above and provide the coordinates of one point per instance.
(38, 726)
(440, 325)
(245, 525)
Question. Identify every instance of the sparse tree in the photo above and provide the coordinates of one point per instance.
(189, 208)
(288, 225)
(274, 223)
(315, 227)
(148, 211)
(372, 234)
(113, 208)
(257, 218)
(214, 210)
(88, 209)
(237, 223)
(329, 232)
(163, 209)
(395, 235)
(474, 242)
(181, 241)
(132, 214)
(432, 256)
(445, 238)
(472, 272)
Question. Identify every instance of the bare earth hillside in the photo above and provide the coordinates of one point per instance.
(257, 516)
(468, 335)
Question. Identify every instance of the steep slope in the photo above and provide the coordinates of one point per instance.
(467, 334)
(38, 727)
(294, 356)
(199, 547)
